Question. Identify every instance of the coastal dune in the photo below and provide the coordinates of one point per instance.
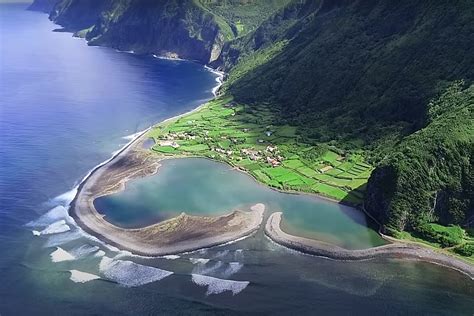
(180, 234)
(393, 250)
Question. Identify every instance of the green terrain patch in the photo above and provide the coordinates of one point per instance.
(250, 140)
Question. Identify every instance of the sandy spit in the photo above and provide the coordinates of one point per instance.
(393, 250)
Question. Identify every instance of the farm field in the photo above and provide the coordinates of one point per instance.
(274, 154)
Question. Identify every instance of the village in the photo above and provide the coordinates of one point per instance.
(249, 140)
(270, 155)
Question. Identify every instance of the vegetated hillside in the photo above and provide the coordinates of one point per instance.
(190, 29)
(356, 74)
(360, 70)
(361, 74)
(242, 16)
(429, 176)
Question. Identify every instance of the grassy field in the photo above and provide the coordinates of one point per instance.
(463, 240)
(273, 154)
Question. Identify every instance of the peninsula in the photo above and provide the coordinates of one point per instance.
(180, 234)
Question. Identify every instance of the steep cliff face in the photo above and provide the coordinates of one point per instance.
(429, 176)
(177, 28)
(77, 15)
(191, 29)
(167, 28)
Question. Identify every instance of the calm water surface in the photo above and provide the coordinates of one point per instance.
(65, 107)
(212, 188)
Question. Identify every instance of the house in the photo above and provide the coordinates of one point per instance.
(169, 143)
(273, 162)
(325, 169)
(272, 148)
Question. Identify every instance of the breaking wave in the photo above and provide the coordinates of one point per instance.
(202, 269)
(83, 251)
(132, 136)
(217, 286)
(171, 257)
(232, 268)
(239, 255)
(54, 215)
(55, 228)
(221, 254)
(66, 198)
(199, 260)
(219, 79)
(99, 253)
(60, 255)
(63, 238)
(130, 274)
(82, 277)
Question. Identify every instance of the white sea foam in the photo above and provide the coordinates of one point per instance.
(66, 198)
(60, 255)
(199, 260)
(221, 254)
(83, 251)
(202, 269)
(132, 136)
(122, 253)
(129, 274)
(99, 253)
(168, 58)
(239, 255)
(232, 268)
(82, 277)
(171, 257)
(217, 286)
(219, 79)
(55, 228)
(63, 238)
(55, 214)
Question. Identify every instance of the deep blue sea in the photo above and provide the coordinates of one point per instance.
(64, 108)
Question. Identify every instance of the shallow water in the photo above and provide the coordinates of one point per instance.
(204, 187)
(65, 107)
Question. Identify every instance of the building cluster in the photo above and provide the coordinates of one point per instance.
(178, 136)
(270, 155)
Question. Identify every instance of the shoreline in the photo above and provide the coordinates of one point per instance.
(183, 233)
(398, 250)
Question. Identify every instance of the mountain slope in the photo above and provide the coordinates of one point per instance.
(365, 69)
(429, 176)
(190, 29)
